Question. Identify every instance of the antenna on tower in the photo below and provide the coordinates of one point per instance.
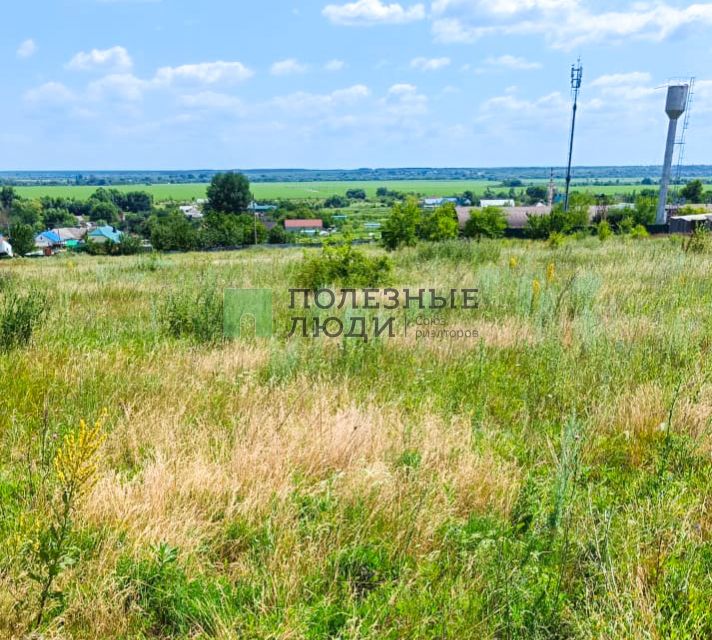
(576, 78)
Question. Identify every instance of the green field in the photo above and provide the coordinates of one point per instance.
(306, 190)
(547, 477)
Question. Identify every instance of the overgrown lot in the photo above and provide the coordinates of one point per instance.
(549, 479)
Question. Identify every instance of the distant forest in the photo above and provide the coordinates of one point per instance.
(600, 175)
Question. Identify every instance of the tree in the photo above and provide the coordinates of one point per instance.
(277, 235)
(489, 222)
(222, 230)
(229, 193)
(172, 232)
(356, 194)
(54, 217)
(26, 211)
(252, 230)
(136, 202)
(22, 238)
(440, 224)
(103, 210)
(401, 226)
(336, 202)
(692, 191)
(7, 197)
(537, 194)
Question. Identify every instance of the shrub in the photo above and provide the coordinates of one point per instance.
(560, 221)
(639, 232)
(699, 241)
(489, 222)
(343, 265)
(277, 235)
(556, 239)
(440, 224)
(20, 315)
(196, 314)
(604, 231)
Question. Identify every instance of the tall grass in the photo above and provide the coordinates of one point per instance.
(547, 479)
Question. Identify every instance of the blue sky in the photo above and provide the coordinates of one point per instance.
(177, 84)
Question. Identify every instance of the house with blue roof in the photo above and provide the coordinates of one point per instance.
(102, 235)
(47, 239)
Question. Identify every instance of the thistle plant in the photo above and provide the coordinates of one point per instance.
(74, 465)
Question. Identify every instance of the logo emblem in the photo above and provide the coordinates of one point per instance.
(244, 307)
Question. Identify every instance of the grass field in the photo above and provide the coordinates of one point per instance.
(306, 190)
(551, 478)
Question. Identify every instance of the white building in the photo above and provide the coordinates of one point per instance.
(5, 248)
(497, 203)
(191, 211)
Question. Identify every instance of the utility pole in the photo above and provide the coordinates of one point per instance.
(576, 77)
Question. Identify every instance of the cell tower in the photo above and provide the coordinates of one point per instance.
(576, 78)
(677, 101)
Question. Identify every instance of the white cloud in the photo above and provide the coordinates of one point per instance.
(429, 64)
(370, 12)
(402, 89)
(618, 79)
(403, 100)
(288, 67)
(310, 102)
(121, 86)
(114, 59)
(205, 73)
(27, 48)
(565, 24)
(512, 62)
(210, 100)
(50, 93)
(334, 65)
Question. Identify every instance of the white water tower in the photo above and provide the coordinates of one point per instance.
(677, 95)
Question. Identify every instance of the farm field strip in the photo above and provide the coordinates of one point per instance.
(310, 190)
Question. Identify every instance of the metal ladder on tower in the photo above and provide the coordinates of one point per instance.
(680, 143)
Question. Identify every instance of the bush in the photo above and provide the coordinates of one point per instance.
(489, 222)
(194, 313)
(639, 232)
(343, 265)
(20, 315)
(440, 224)
(277, 235)
(173, 232)
(699, 241)
(604, 231)
(560, 221)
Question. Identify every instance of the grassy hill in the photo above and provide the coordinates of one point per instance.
(549, 478)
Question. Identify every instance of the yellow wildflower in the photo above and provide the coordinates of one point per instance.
(550, 272)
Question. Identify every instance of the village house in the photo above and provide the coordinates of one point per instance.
(308, 227)
(102, 235)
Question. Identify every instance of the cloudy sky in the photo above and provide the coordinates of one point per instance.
(173, 84)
